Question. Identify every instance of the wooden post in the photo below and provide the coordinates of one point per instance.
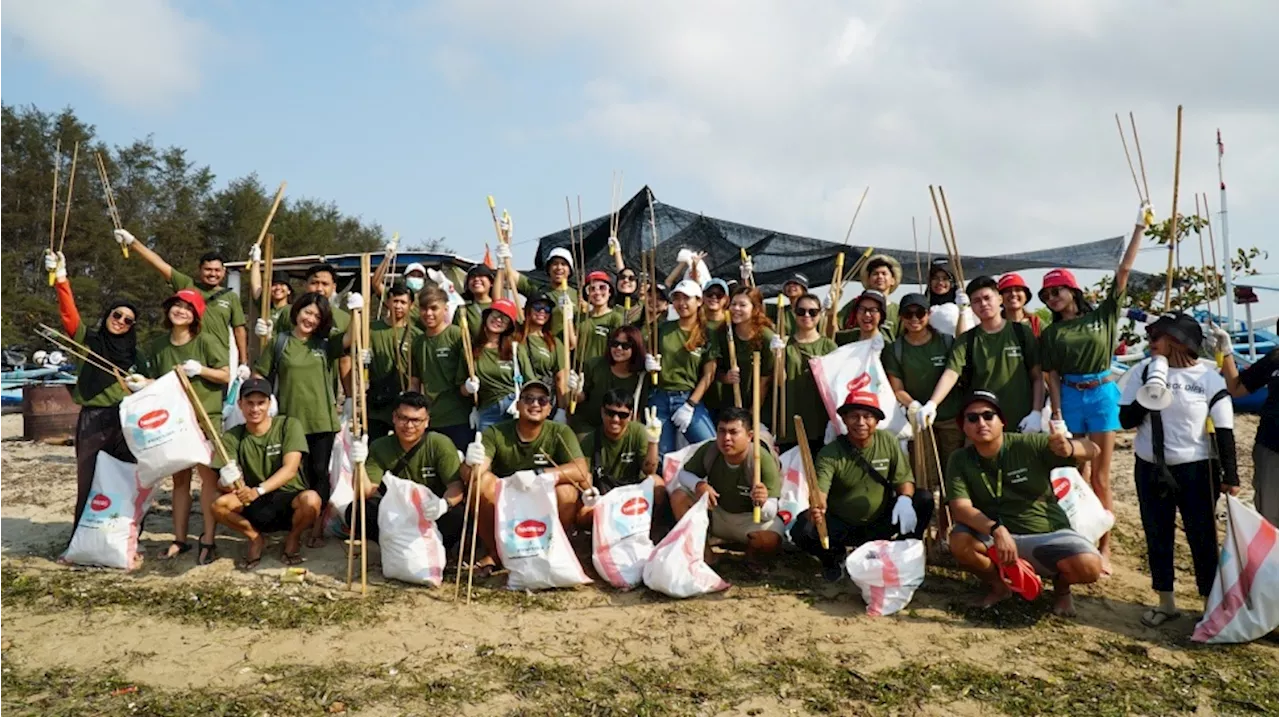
(271, 214)
(267, 267)
(733, 360)
(755, 429)
(1173, 216)
(811, 478)
(212, 432)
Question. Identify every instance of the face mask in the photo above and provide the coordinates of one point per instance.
(414, 283)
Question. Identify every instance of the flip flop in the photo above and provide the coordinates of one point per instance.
(183, 547)
(292, 558)
(208, 553)
(1156, 617)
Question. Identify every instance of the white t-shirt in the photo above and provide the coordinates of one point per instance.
(1186, 438)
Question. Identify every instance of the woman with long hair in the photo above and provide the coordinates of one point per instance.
(751, 331)
(622, 368)
(592, 332)
(803, 398)
(495, 379)
(1075, 353)
(686, 366)
(186, 349)
(539, 351)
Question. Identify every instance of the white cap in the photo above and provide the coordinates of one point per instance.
(415, 266)
(688, 287)
(561, 253)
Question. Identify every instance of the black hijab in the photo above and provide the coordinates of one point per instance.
(950, 296)
(120, 350)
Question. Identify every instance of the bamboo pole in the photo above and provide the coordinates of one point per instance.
(1213, 256)
(213, 433)
(1129, 160)
(858, 210)
(915, 243)
(653, 283)
(268, 261)
(755, 429)
(733, 359)
(811, 478)
(71, 183)
(275, 204)
(826, 325)
(1142, 166)
(950, 236)
(1173, 216)
(475, 532)
(53, 208)
(776, 387)
(82, 352)
(466, 519)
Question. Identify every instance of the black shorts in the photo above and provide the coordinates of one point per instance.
(271, 513)
(449, 524)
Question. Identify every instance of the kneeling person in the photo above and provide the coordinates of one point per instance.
(266, 454)
(859, 475)
(723, 470)
(622, 451)
(1001, 496)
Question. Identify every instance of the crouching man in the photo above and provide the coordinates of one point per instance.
(867, 490)
(622, 451)
(1000, 495)
(265, 454)
(723, 470)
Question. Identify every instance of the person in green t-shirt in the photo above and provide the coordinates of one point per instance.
(1004, 507)
(497, 365)
(438, 355)
(188, 349)
(868, 319)
(997, 355)
(724, 471)
(715, 308)
(792, 289)
(533, 444)
(866, 490)
(622, 369)
(622, 451)
(281, 293)
(266, 460)
(881, 273)
(751, 332)
(390, 370)
(593, 327)
(803, 397)
(685, 361)
(541, 353)
(1014, 297)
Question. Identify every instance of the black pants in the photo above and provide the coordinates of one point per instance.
(315, 466)
(449, 524)
(97, 429)
(1195, 498)
(844, 536)
(461, 434)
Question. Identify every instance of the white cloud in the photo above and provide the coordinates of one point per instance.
(138, 52)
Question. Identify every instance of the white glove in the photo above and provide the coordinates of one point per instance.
(652, 364)
(769, 510)
(877, 342)
(615, 246)
(1059, 427)
(513, 410)
(136, 382)
(255, 254)
(366, 357)
(242, 372)
(262, 327)
(192, 368)
(123, 237)
(652, 426)
(504, 252)
(926, 414)
(912, 409)
(432, 510)
(566, 308)
(746, 269)
(560, 416)
(473, 419)
(354, 301)
(392, 244)
(508, 229)
(475, 452)
(228, 475)
(826, 302)
(360, 449)
(1145, 215)
(50, 260)
(471, 386)
(523, 480)
(575, 381)
(590, 497)
(1217, 340)
(962, 299)
(904, 515)
(435, 277)
(60, 273)
(684, 256)
(348, 410)
(682, 417)
(1030, 424)
(777, 344)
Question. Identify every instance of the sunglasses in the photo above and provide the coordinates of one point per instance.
(620, 415)
(540, 308)
(808, 312)
(627, 277)
(122, 317)
(717, 295)
(621, 345)
(536, 400)
(868, 310)
(914, 314)
(976, 416)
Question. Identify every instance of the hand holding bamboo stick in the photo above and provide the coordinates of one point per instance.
(811, 478)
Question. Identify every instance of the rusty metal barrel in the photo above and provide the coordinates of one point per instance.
(48, 413)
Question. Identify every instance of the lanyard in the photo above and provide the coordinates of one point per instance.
(998, 491)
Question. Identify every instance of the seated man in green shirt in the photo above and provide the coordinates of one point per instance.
(265, 454)
(622, 451)
(1002, 501)
(859, 475)
(531, 442)
(723, 470)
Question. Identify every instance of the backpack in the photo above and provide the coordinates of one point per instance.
(1021, 332)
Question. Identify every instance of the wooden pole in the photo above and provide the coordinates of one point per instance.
(811, 478)
(1128, 159)
(1173, 216)
(826, 325)
(475, 532)
(82, 352)
(53, 208)
(1142, 167)
(1213, 256)
(275, 204)
(653, 264)
(776, 387)
(466, 519)
(950, 236)
(71, 183)
(755, 429)
(213, 433)
(268, 261)
(733, 359)
(357, 483)
(856, 212)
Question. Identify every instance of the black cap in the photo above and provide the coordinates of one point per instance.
(280, 277)
(941, 264)
(981, 395)
(914, 300)
(480, 270)
(1181, 328)
(660, 290)
(877, 297)
(255, 385)
(536, 383)
(797, 278)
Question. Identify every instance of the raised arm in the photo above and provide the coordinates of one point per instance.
(1131, 252)
(149, 256)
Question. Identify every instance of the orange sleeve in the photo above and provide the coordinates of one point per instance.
(67, 308)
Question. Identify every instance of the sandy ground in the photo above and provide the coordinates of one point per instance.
(787, 615)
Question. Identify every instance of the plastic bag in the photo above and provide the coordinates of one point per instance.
(887, 572)
(341, 485)
(161, 430)
(620, 543)
(854, 371)
(531, 542)
(674, 461)
(1244, 603)
(1082, 507)
(409, 540)
(676, 567)
(794, 498)
(107, 534)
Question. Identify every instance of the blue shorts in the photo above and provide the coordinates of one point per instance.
(1094, 410)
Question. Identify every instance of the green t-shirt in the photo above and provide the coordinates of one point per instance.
(280, 318)
(113, 394)
(556, 295)
(854, 495)
(599, 380)
(718, 395)
(390, 364)
(681, 367)
(539, 360)
(803, 398)
(733, 483)
(744, 350)
(920, 368)
(497, 376)
(593, 334)
(1083, 345)
(1001, 364)
(786, 324)
(341, 318)
(1015, 486)
(621, 461)
(436, 362)
(555, 445)
(259, 457)
(222, 311)
(160, 357)
(304, 380)
(473, 311)
(435, 465)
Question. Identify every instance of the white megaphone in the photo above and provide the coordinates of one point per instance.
(1154, 395)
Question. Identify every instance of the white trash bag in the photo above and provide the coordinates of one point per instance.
(887, 572)
(674, 461)
(1244, 603)
(794, 498)
(620, 543)
(107, 534)
(1082, 507)
(162, 431)
(676, 567)
(531, 542)
(341, 485)
(408, 538)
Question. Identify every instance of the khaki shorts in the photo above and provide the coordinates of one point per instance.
(734, 527)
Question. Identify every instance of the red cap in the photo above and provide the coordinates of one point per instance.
(191, 296)
(506, 308)
(1059, 277)
(1012, 281)
(599, 276)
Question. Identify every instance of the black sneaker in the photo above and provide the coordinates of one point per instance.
(832, 573)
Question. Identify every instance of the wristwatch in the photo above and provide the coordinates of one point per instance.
(997, 524)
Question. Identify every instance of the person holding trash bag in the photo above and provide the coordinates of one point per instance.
(622, 450)
(1184, 454)
(1003, 505)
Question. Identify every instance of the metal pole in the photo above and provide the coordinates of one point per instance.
(1226, 241)
(1248, 317)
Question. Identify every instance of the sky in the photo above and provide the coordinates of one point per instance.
(774, 114)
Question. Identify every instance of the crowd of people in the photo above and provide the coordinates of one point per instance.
(654, 368)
